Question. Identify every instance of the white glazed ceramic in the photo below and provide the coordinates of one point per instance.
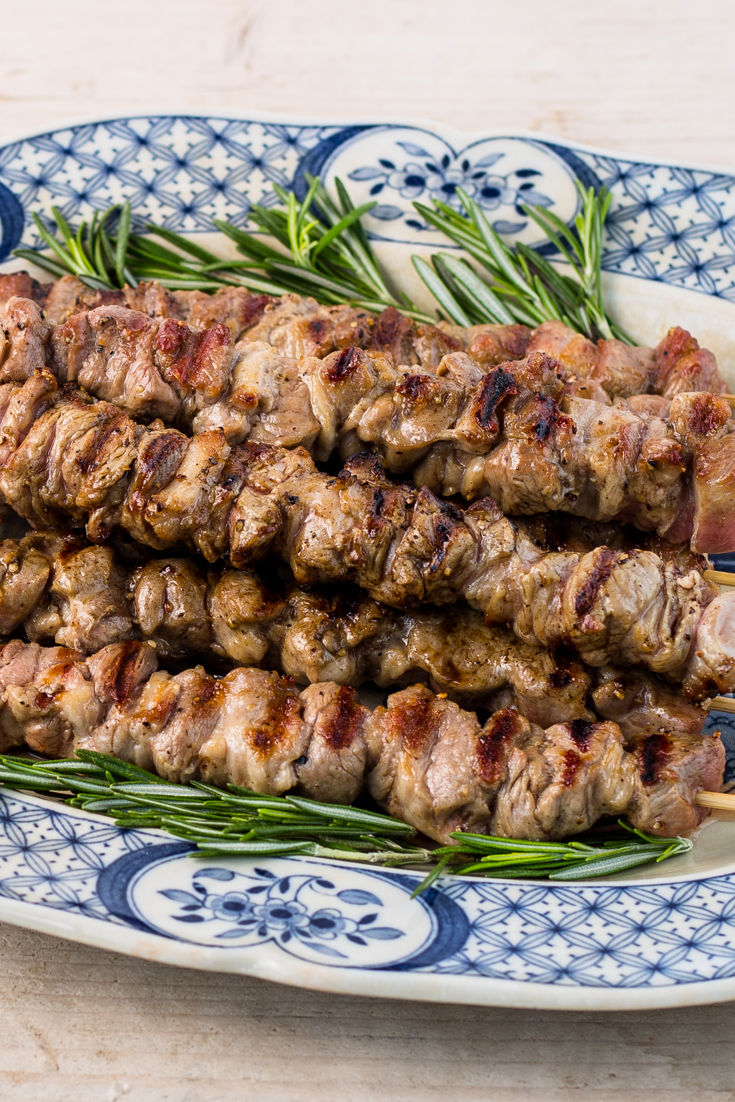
(663, 938)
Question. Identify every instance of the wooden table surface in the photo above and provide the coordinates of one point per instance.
(653, 77)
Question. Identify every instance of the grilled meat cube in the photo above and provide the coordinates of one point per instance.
(85, 602)
(420, 756)
(84, 597)
(25, 573)
(670, 771)
(422, 764)
(303, 327)
(644, 705)
(149, 368)
(558, 784)
(676, 364)
(64, 458)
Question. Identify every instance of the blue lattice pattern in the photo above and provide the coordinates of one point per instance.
(601, 935)
(667, 223)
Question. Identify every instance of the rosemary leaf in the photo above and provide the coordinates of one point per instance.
(237, 822)
(521, 277)
(121, 243)
(476, 291)
(441, 292)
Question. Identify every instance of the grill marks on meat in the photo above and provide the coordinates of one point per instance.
(402, 546)
(300, 327)
(160, 367)
(421, 757)
(580, 457)
(83, 597)
(512, 434)
(516, 432)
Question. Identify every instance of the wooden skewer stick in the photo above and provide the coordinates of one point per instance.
(720, 577)
(717, 801)
(723, 704)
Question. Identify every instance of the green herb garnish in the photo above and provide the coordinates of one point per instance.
(523, 287)
(95, 254)
(237, 823)
(320, 248)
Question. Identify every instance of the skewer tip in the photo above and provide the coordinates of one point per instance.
(720, 577)
(716, 801)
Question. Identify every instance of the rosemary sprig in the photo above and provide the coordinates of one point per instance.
(238, 822)
(523, 287)
(318, 246)
(324, 250)
(94, 254)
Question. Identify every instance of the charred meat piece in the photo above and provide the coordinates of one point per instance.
(67, 461)
(301, 327)
(510, 433)
(84, 597)
(421, 757)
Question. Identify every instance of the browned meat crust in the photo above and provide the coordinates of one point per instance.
(515, 433)
(421, 757)
(65, 460)
(61, 590)
(300, 327)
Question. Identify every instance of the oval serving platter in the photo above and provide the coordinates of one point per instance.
(665, 937)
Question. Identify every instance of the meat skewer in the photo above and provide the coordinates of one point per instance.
(66, 460)
(421, 756)
(86, 597)
(508, 433)
(512, 434)
(299, 328)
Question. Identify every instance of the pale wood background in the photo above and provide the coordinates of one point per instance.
(653, 77)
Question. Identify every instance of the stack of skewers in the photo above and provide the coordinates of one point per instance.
(537, 597)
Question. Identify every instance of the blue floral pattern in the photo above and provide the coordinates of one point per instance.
(667, 223)
(639, 936)
(426, 177)
(81, 875)
(269, 907)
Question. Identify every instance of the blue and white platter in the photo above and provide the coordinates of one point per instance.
(665, 937)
